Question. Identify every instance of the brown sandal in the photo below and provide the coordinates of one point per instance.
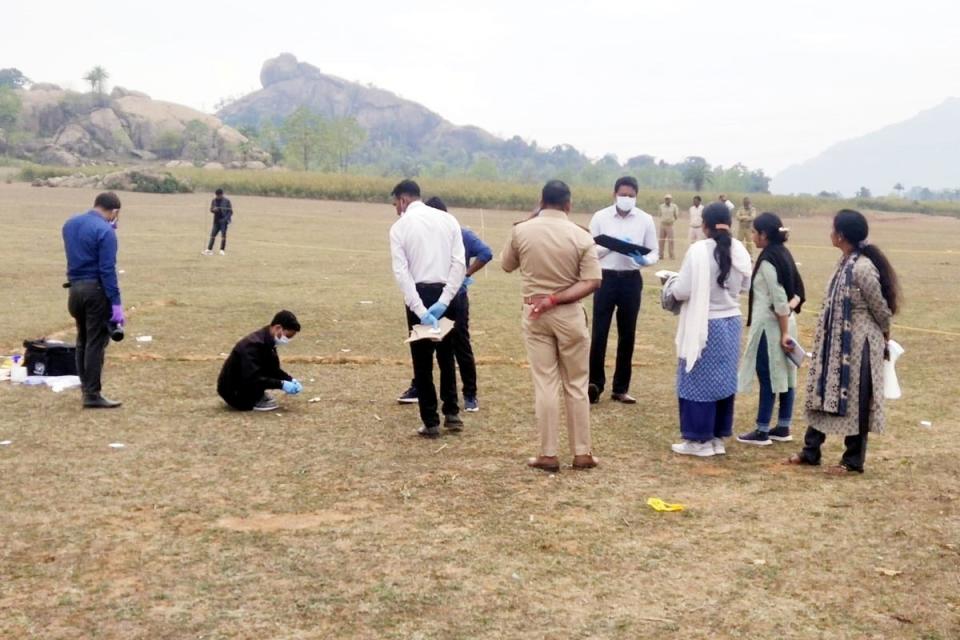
(799, 460)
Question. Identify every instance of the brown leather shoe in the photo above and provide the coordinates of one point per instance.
(586, 461)
(625, 398)
(550, 464)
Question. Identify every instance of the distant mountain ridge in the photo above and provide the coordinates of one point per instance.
(920, 151)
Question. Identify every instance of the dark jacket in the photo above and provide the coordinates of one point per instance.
(252, 367)
(222, 210)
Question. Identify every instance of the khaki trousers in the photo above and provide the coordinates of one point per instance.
(558, 349)
(666, 234)
(744, 234)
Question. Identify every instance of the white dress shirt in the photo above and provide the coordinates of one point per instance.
(696, 216)
(426, 246)
(637, 225)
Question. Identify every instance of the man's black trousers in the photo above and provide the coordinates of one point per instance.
(422, 352)
(619, 292)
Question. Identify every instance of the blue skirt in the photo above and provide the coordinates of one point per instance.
(714, 376)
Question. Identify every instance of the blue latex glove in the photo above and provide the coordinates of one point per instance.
(299, 385)
(640, 259)
(626, 239)
(430, 319)
(291, 387)
(468, 281)
(117, 316)
(437, 310)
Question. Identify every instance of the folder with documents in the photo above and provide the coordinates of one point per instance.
(426, 332)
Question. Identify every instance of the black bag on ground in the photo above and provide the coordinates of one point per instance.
(44, 358)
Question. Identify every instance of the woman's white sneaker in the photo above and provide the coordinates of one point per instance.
(718, 446)
(694, 448)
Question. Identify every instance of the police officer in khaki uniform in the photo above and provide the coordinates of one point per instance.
(745, 217)
(669, 213)
(559, 266)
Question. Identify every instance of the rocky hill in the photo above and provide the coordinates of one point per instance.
(69, 128)
(920, 151)
(390, 121)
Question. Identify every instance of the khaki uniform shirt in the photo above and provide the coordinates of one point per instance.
(552, 253)
(746, 215)
(668, 214)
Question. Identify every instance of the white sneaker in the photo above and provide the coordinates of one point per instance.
(266, 404)
(206, 252)
(718, 447)
(694, 448)
(222, 252)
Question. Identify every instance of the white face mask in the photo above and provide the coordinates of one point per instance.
(281, 340)
(626, 203)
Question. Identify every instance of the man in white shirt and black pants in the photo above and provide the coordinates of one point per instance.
(426, 247)
(621, 287)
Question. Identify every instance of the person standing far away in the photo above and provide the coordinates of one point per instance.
(426, 246)
(558, 265)
(713, 275)
(669, 214)
(253, 367)
(745, 217)
(696, 220)
(476, 250)
(845, 380)
(90, 243)
(621, 287)
(776, 295)
(726, 201)
(222, 212)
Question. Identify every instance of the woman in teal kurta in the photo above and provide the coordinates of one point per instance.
(776, 294)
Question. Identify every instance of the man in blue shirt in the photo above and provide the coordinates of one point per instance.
(90, 242)
(476, 249)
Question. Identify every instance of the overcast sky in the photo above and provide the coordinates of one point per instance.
(765, 83)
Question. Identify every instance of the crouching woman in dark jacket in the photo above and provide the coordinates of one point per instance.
(253, 367)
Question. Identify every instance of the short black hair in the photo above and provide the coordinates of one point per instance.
(287, 320)
(107, 200)
(626, 181)
(218, 192)
(698, 198)
(436, 203)
(406, 188)
(555, 193)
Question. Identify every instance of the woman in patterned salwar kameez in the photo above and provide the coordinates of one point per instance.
(845, 381)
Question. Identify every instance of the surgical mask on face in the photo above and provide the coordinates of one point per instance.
(626, 203)
(281, 340)
(114, 225)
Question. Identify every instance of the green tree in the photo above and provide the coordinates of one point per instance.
(13, 78)
(97, 77)
(863, 192)
(303, 133)
(899, 189)
(197, 141)
(169, 145)
(342, 137)
(10, 106)
(696, 172)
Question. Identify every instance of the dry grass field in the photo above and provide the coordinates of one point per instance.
(331, 519)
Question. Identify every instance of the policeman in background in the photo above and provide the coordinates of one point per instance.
(558, 264)
(90, 243)
(745, 217)
(669, 214)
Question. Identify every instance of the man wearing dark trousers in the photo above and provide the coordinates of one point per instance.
(90, 243)
(253, 367)
(621, 287)
(222, 212)
(478, 254)
(426, 248)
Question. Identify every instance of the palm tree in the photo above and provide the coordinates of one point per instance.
(899, 189)
(97, 77)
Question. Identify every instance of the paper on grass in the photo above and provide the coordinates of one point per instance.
(426, 332)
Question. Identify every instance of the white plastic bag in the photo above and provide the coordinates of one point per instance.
(891, 386)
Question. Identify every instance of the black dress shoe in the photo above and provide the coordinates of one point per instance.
(99, 402)
(453, 422)
(593, 392)
(625, 398)
(428, 432)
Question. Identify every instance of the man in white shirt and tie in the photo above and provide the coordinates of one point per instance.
(426, 246)
(621, 287)
(696, 220)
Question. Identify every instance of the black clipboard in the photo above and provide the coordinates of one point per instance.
(620, 246)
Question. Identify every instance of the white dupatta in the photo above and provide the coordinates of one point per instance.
(693, 327)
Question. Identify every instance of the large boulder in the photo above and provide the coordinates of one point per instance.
(120, 92)
(213, 166)
(254, 164)
(283, 67)
(57, 156)
(107, 129)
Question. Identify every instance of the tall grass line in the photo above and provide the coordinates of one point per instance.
(478, 194)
